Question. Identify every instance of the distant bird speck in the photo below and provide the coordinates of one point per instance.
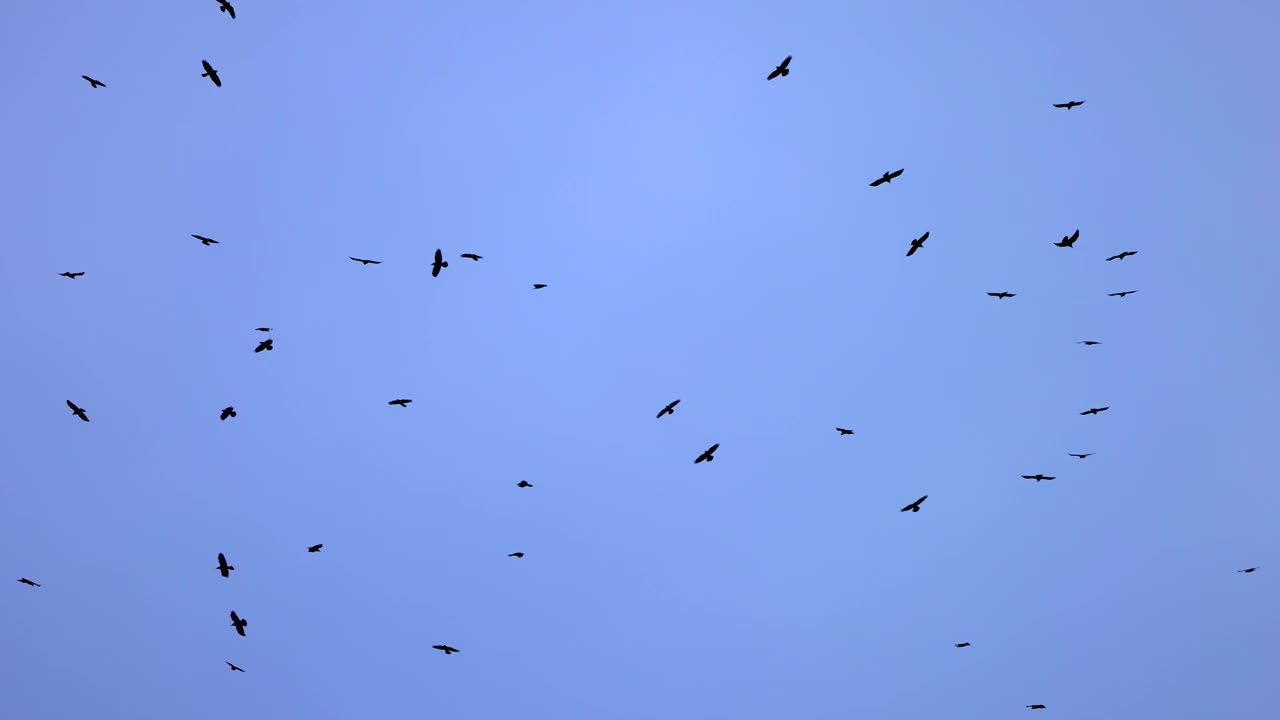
(516, 555)
(708, 454)
(77, 411)
(1002, 295)
(447, 650)
(886, 178)
(238, 624)
(225, 6)
(32, 583)
(402, 402)
(233, 667)
(1122, 294)
(1088, 342)
(915, 506)
(1036, 707)
(210, 73)
(1069, 104)
(538, 286)
(1247, 570)
(315, 548)
(1068, 240)
(670, 409)
(439, 264)
(94, 83)
(263, 329)
(964, 644)
(205, 241)
(1122, 255)
(844, 431)
(223, 567)
(1038, 477)
(264, 345)
(1095, 411)
(227, 412)
(781, 70)
(524, 484)
(72, 275)
(362, 261)
(917, 244)
(472, 256)
(1080, 455)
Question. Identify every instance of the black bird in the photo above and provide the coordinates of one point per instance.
(917, 244)
(962, 644)
(237, 623)
(223, 567)
(362, 261)
(315, 548)
(1088, 342)
(1247, 570)
(94, 83)
(264, 345)
(263, 329)
(538, 286)
(447, 650)
(224, 6)
(25, 581)
(1069, 240)
(205, 241)
(516, 555)
(1003, 295)
(472, 256)
(233, 667)
(1036, 707)
(1095, 411)
(915, 506)
(524, 483)
(844, 431)
(210, 73)
(71, 275)
(1122, 294)
(781, 70)
(887, 177)
(1069, 105)
(402, 402)
(670, 409)
(438, 264)
(227, 412)
(1080, 455)
(1122, 255)
(77, 411)
(1038, 477)
(709, 455)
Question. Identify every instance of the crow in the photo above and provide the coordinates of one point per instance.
(362, 261)
(1247, 570)
(402, 402)
(77, 411)
(538, 286)
(223, 567)
(25, 581)
(781, 70)
(233, 667)
(224, 6)
(887, 177)
(1069, 240)
(210, 73)
(963, 644)
(1069, 105)
(439, 264)
(315, 548)
(516, 555)
(227, 412)
(205, 241)
(237, 623)
(263, 329)
(472, 256)
(1088, 342)
(524, 484)
(94, 83)
(71, 275)
(1038, 477)
(915, 506)
(1122, 255)
(447, 650)
(1036, 707)
(670, 409)
(1122, 294)
(917, 244)
(264, 345)
(709, 455)
(1080, 455)
(1095, 411)
(844, 431)
(1003, 295)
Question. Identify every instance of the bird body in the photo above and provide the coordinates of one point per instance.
(1088, 342)
(670, 409)
(708, 454)
(94, 83)
(524, 484)
(886, 178)
(781, 70)
(77, 411)
(210, 73)
(227, 412)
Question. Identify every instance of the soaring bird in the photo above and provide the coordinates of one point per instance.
(227, 412)
(94, 83)
(917, 244)
(1003, 295)
(263, 329)
(915, 506)
(844, 431)
(362, 261)
(402, 402)
(472, 256)
(71, 275)
(1095, 411)
(264, 345)
(670, 409)
(223, 567)
(781, 70)
(1080, 455)
(1036, 707)
(887, 177)
(524, 484)
(315, 548)
(438, 264)
(25, 581)
(516, 555)
(233, 667)
(1069, 240)
(224, 6)
(447, 650)
(1247, 570)
(237, 623)
(1088, 342)
(708, 455)
(205, 241)
(1122, 255)
(1122, 294)
(1038, 477)
(77, 411)
(1069, 105)
(963, 644)
(539, 286)
(210, 73)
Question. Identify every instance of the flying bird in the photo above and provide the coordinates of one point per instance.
(1095, 411)
(1036, 707)
(670, 409)
(71, 275)
(237, 623)
(25, 581)
(402, 402)
(1069, 105)
(472, 256)
(917, 244)
(962, 644)
(1069, 240)
(1088, 342)
(77, 411)
(439, 264)
(263, 329)
(210, 73)
(844, 431)
(1122, 294)
(781, 70)
(524, 483)
(224, 6)
(94, 83)
(538, 286)
(233, 667)
(1122, 255)
(264, 345)
(1247, 570)
(1003, 295)
(447, 650)
(362, 261)
(708, 455)
(205, 241)
(315, 548)
(1038, 477)
(227, 412)
(223, 567)
(915, 506)
(887, 177)
(516, 555)
(1080, 455)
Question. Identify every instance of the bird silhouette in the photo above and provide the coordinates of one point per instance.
(439, 264)
(447, 650)
(210, 73)
(224, 6)
(25, 581)
(781, 70)
(844, 431)
(1122, 294)
(917, 244)
(472, 256)
(1003, 295)
(915, 506)
(71, 275)
(1038, 477)
(886, 178)
(1069, 105)
(233, 667)
(362, 261)
(94, 83)
(223, 567)
(1080, 455)
(402, 402)
(205, 241)
(1095, 411)
(1247, 570)
(524, 484)
(1088, 342)
(538, 286)
(1069, 240)
(965, 644)
(227, 412)
(77, 411)
(670, 409)
(708, 454)
(1036, 707)
(315, 548)
(264, 345)
(238, 624)
(263, 329)
(1122, 255)
(516, 555)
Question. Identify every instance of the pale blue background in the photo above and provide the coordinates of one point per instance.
(706, 235)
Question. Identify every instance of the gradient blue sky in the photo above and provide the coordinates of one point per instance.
(706, 235)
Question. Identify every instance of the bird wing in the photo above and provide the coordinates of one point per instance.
(896, 173)
(73, 407)
(785, 62)
(439, 256)
(776, 72)
(1060, 105)
(912, 251)
(1075, 235)
(924, 237)
(231, 11)
(877, 181)
(207, 67)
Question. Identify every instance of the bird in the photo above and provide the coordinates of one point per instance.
(708, 455)
(362, 261)
(524, 484)
(71, 275)
(1247, 570)
(1122, 255)
(227, 412)
(670, 409)
(887, 177)
(965, 644)
(516, 555)
(1088, 342)
(1069, 105)
(1036, 707)
(472, 256)
(447, 650)
(915, 506)
(315, 548)
(223, 567)
(439, 264)
(917, 244)
(402, 402)
(77, 411)
(1038, 477)
(1003, 295)
(263, 329)
(25, 581)
(264, 345)
(205, 241)
(94, 83)
(1095, 411)
(1080, 455)
(224, 6)
(1069, 240)
(237, 623)
(844, 431)
(781, 70)
(538, 286)
(1122, 294)
(210, 73)
(233, 667)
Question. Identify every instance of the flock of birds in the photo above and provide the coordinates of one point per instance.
(782, 70)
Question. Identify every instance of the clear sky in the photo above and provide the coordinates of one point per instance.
(705, 235)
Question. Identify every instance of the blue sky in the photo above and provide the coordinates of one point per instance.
(705, 235)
